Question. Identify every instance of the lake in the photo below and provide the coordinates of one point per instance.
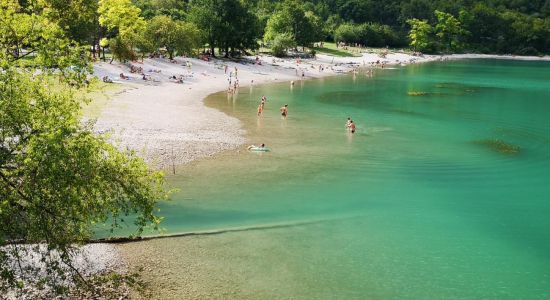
(443, 192)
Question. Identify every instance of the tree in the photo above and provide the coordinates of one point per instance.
(57, 177)
(226, 24)
(419, 34)
(240, 27)
(347, 33)
(176, 36)
(281, 43)
(416, 9)
(449, 30)
(123, 20)
(77, 17)
(291, 19)
(175, 9)
(27, 35)
(203, 13)
(357, 11)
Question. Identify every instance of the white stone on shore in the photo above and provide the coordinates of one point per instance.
(89, 260)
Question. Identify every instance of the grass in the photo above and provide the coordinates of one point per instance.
(349, 51)
(99, 93)
(331, 49)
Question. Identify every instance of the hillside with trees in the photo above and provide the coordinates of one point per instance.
(130, 29)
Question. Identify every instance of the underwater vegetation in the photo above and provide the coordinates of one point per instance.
(499, 146)
(416, 93)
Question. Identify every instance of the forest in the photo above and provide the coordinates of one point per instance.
(130, 28)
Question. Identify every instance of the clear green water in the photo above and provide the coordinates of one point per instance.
(420, 203)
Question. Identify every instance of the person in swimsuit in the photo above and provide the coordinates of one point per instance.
(260, 109)
(284, 110)
(348, 122)
(352, 126)
(262, 103)
(254, 146)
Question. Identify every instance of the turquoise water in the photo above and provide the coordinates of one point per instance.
(441, 195)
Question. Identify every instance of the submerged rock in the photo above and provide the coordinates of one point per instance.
(499, 146)
(416, 93)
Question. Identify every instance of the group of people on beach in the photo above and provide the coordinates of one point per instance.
(233, 84)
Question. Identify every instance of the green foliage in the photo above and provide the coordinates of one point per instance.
(122, 50)
(518, 26)
(175, 9)
(281, 43)
(125, 23)
(372, 35)
(291, 18)
(226, 24)
(449, 30)
(419, 34)
(77, 17)
(176, 36)
(347, 33)
(28, 35)
(331, 49)
(57, 177)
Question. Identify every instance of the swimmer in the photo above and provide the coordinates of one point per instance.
(352, 126)
(348, 122)
(284, 111)
(260, 109)
(261, 147)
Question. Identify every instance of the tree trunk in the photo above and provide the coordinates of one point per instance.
(93, 50)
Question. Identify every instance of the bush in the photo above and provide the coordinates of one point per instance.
(121, 50)
(281, 43)
(531, 51)
(347, 33)
(368, 34)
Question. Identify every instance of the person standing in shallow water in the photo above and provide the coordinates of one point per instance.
(284, 111)
(263, 101)
(260, 109)
(348, 122)
(352, 126)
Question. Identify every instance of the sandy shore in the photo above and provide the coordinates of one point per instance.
(167, 123)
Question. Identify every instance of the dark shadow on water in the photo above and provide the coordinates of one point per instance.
(499, 146)
(224, 230)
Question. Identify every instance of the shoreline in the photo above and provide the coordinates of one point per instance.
(169, 125)
(153, 118)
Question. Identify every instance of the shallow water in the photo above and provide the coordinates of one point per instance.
(425, 200)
